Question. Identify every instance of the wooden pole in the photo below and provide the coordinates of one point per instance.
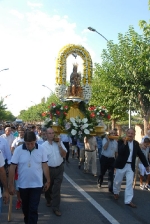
(10, 208)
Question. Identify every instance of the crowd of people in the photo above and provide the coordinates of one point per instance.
(31, 161)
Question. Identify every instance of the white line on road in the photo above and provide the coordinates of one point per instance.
(92, 201)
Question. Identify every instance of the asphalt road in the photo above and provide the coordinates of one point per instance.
(83, 203)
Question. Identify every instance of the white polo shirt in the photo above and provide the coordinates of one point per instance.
(17, 142)
(30, 172)
(53, 154)
(1, 165)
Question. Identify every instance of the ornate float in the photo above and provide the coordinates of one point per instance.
(74, 116)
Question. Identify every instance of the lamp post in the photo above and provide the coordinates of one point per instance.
(129, 114)
(48, 88)
(4, 69)
(94, 30)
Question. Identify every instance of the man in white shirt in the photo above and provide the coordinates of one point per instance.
(3, 179)
(56, 151)
(8, 136)
(5, 149)
(31, 160)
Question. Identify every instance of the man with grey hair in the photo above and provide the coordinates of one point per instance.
(8, 136)
(108, 155)
(56, 151)
(128, 149)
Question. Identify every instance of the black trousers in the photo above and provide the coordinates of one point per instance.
(30, 200)
(107, 164)
(53, 193)
(66, 144)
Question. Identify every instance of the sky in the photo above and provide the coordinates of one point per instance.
(32, 33)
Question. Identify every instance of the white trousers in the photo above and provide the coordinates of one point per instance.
(90, 156)
(120, 173)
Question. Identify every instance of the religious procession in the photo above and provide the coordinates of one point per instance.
(33, 158)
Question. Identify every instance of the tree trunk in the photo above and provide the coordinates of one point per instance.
(146, 122)
(113, 123)
(146, 113)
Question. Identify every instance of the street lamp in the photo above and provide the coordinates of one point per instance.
(48, 88)
(4, 69)
(94, 30)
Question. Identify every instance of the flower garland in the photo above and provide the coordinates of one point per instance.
(79, 128)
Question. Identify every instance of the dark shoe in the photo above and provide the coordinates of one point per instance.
(111, 191)
(132, 205)
(57, 212)
(67, 161)
(116, 196)
(79, 165)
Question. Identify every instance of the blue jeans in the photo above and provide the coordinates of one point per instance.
(30, 201)
(0, 205)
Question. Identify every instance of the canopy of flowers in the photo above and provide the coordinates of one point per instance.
(57, 113)
(79, 128)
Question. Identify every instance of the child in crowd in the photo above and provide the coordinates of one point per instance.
(145, 147)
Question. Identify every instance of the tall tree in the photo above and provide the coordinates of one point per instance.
(127, 67)
(106, 94)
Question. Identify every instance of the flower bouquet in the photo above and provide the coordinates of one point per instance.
(97, 113)
(79, 128)
(57, 113)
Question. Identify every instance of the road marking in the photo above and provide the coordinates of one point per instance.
(92, 201)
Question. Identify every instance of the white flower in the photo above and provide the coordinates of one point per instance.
(86, 131)
(75, 125)
(72, 119)
(84, 120)
(73, 132)
(67, 125)
(61, 108)
(84, 126)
